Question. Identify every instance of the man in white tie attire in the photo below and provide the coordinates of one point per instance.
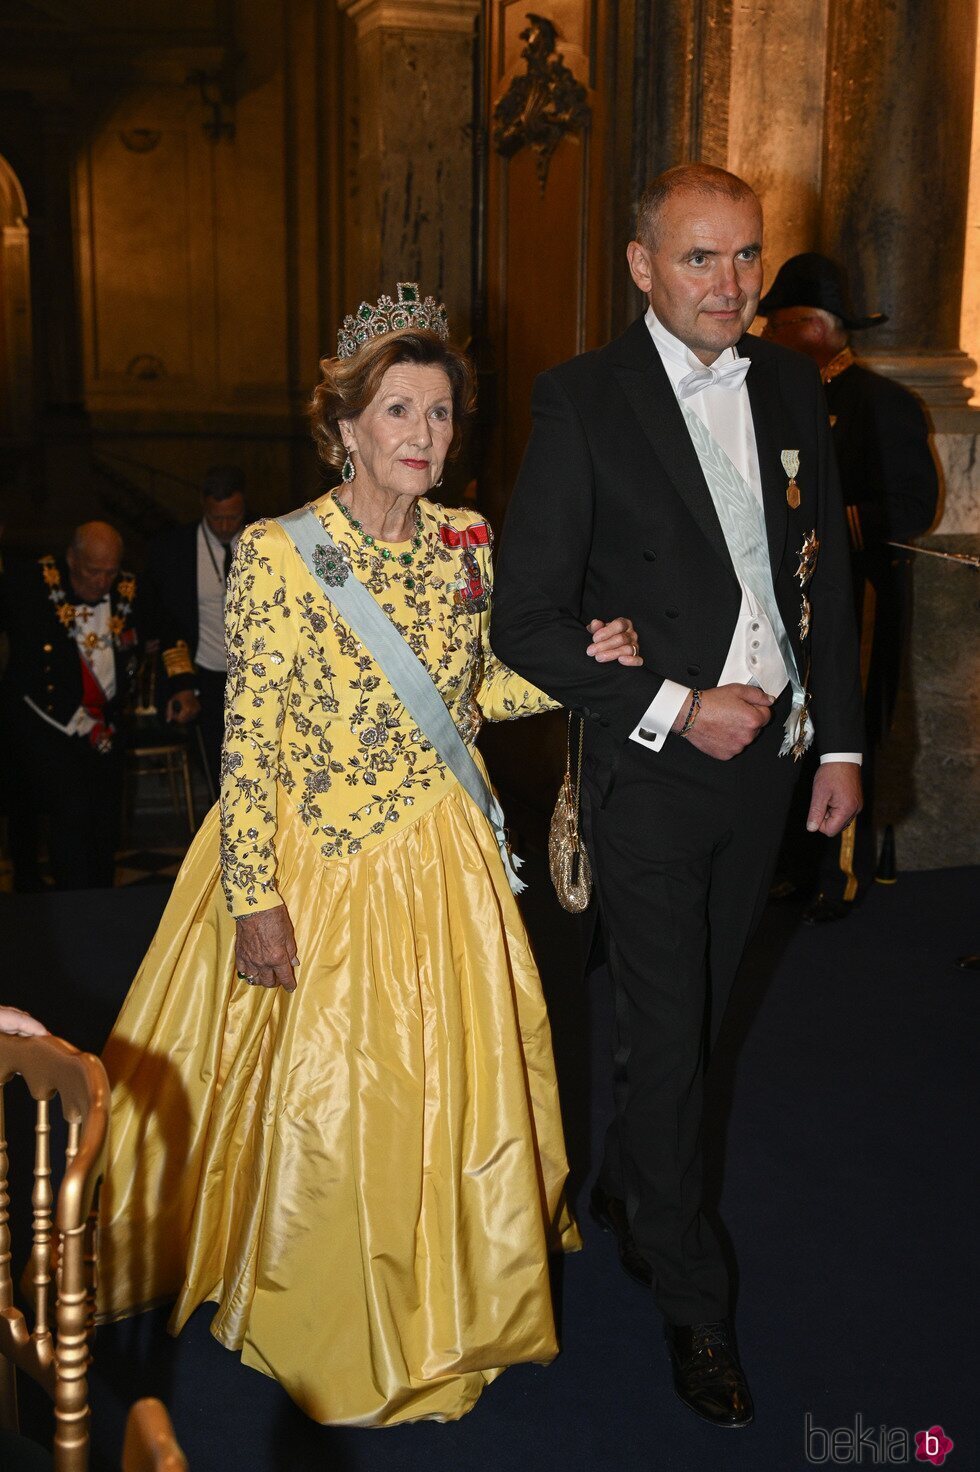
(685, 473)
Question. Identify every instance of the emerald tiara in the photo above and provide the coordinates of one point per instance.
(388, 316)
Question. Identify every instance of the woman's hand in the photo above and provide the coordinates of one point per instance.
(265, 949)
(615, 640)
(12, 1019)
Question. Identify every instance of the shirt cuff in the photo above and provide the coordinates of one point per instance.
(660, 715)
(842, 756)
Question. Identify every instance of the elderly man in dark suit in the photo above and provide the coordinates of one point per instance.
(685, 472)
(74, 629)
(890, 487)
(186, 572)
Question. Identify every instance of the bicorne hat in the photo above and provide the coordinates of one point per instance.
(813, 280)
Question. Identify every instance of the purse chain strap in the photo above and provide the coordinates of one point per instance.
(574, 792)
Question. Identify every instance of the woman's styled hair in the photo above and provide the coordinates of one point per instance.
(347, 385)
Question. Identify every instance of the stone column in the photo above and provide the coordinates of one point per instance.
(895, 185)
(896, 169)
(413, 192)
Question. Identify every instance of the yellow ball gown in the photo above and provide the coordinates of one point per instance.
(365, 1175)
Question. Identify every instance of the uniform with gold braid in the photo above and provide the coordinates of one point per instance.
(62, 731)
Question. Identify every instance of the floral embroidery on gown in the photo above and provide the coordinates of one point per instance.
(365, 1175)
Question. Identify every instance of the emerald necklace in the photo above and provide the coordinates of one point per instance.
(405, 559)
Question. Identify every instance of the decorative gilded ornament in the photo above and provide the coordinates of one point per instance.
(74, 618)
(808, 558)
(804, 617)
(541, 107)
(803, 736)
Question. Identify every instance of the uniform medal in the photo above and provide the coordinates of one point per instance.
(791, 465)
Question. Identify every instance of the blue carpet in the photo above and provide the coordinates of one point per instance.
(844, 1091)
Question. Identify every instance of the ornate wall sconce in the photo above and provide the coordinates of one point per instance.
(544, 104)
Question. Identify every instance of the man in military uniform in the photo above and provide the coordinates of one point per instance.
(888, 477)
(72, 626)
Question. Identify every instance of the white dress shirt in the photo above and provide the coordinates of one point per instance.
(210, 652)
(101, 656)
(753, 655)
(94, 641)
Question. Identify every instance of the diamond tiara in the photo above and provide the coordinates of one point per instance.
(388, 316)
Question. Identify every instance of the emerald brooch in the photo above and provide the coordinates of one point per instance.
(330, 565)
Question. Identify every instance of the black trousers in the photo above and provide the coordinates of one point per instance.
(683, 848)
(78, 789)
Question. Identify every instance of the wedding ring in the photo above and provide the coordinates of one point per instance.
(636, 649)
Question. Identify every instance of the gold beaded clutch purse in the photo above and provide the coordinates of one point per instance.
(571, 873)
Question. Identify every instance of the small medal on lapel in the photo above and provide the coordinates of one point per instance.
(791, 465)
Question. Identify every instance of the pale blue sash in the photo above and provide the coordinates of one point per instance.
(406, 674)
(744, 525)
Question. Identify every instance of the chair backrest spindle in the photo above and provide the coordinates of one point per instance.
(55, 1352)
(8, 1379)
(42, 1201)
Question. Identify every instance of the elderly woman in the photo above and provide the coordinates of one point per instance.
(335, 1111)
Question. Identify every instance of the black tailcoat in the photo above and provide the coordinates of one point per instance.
(890, 487)
(47, 771)
(173, 606)
(881, 439)
(44, 663)
(171, 583)
(612, 515)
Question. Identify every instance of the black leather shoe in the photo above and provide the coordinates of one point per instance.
(609, 1212)
(707, 1374)
(822, 911)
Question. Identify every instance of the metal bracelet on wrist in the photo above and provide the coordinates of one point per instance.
(693, 711)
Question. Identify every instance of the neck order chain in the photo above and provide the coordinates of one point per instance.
(70, 615)
(404, 559)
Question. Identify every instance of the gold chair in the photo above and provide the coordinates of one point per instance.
(56, 1351)
(150, 1444)
(168, 759)
(153, 750)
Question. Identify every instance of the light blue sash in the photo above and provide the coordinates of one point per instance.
(744, 525)
(406, 674)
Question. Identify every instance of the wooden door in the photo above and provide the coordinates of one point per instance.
(550, 211)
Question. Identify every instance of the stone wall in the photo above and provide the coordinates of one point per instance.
(929, 776)
(929, 780)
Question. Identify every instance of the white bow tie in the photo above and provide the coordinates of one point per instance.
(731, 375)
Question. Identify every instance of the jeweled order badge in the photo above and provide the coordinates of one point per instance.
(791, 465)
